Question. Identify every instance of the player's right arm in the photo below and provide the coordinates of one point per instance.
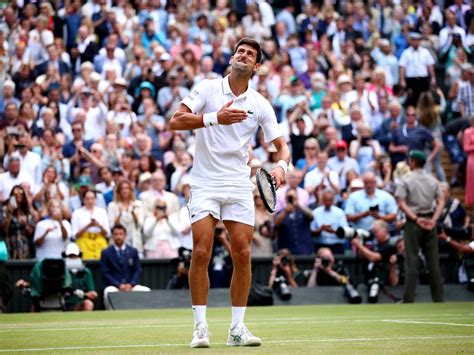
(184, 119)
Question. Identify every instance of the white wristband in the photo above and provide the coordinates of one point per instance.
(210, 119)
(283, 164)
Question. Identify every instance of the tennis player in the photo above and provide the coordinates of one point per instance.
(226, 114)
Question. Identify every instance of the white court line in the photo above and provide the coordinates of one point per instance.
(140, 322)
(188, 325)
(293, 341)
(422, 322)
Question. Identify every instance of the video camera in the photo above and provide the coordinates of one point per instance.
(351, 233)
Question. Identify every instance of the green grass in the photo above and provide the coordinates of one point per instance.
(419, 328)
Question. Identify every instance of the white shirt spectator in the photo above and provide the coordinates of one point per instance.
(30, 165)
(53, 244)
(165, 229)
(315, 177)
(446, 36)
(7, 181)
(342, 167)
(82, 217)
(416, 62)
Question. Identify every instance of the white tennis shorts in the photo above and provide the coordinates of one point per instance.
(226, 204)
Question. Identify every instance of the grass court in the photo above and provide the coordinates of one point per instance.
(388, 328)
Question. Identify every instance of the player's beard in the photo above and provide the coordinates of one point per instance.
(240, 67)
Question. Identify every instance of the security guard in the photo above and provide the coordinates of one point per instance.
(416, 194)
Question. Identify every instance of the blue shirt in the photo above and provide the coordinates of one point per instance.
(334, 217)
(418, 138)
(359, 202)
(294, 234)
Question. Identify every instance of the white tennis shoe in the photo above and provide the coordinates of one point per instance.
(241, 336)
(201, 337)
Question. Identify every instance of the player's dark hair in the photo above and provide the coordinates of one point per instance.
(252, 43)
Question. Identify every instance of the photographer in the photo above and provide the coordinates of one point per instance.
(283, 274)
(454, 219)
(180, 279)
(466, 272)
(326, 272)
(382, 261)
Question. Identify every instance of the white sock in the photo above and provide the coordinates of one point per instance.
(238, 314)
(199, 314)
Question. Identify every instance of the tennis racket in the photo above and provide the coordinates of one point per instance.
(266, 189)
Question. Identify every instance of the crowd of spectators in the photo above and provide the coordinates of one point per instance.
(87, 89)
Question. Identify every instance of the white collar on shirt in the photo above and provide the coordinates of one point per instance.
(117, 249)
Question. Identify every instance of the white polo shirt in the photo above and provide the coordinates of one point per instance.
(416, 62)
(221, 153)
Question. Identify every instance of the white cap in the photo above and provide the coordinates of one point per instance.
(72, 249)
(9, 83)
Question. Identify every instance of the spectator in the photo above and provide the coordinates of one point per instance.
(30, 162)
(327, 218)
(19, 219)
(90, 226)
(12, 177)
(292, 225)
(468, 145)
(52, 188)
(309, 162)
(294, 178)
(416, 69)
(465, 97)
(365, 206)
(128, 212)
(120, 266)
(321, 177)
(342, 164)
(429, 119)
(162, 231)
(83, 184)
(264, 233)
(365, 149)
(410, 136)
(158, 183)
(52, 234)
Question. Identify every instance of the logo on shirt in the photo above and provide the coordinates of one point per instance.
(250, 113)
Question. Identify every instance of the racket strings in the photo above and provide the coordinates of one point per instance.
(268, 188)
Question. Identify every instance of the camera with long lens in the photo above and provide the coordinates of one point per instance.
(351, 233)
(459, 234)
(185, 256)
(374, 288)
(281, 288)
(350, 291)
